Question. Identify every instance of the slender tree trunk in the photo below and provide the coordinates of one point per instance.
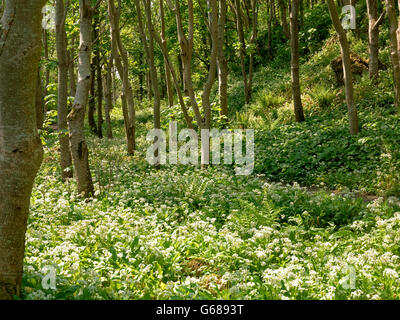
(213, 17)
(294, 46)
(108, 97)
(99, 87)
(76, 118)
(394, 48)
(123, 70)
(242, 49)
(283, 9)
(71, 69)
(150, 57)
(348, 76)
(253, 42)
(301, 13)
(186, 45)
(46, 57)
(373, 37)
(270, 17)
(21, 151)
(62, 107)
(92, 98)
(175, 79)
(168, 75)
(222, 61)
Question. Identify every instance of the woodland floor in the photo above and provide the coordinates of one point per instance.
(318, 219)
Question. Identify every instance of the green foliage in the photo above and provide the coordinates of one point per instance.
(315, 29)
(324, 97)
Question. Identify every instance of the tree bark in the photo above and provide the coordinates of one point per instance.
(222, 61)
(348, 76)
(39, 103)
(373, 38)
(62, 107)
(76, 118)
(21, 151)
(283, 9)
(92, 98)
(99, 78)
(394, 48)
(123, 70)
(168, 81)
(150, 57)
(188, 119)
(108, 97)
(294, 46)
(71, 69)
(242, 49)
(213, 17)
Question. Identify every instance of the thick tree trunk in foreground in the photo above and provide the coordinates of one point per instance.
(294, 46)
(348, 76)
(394, 48)
(62, 108)
(76, 118)
(20, 147)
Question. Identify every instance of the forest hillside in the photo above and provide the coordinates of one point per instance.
(315, 215)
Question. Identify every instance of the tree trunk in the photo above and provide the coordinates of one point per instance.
(108, 97)
(99, 78)
(283, 9)
(92, 98)
(62, 107)
(76, 118)
(222, 61)
(348, 76)
(394, 49)
(168, 75)
(21, 152)
(253, 43)
(186, 45)
(373, 37)
(46, 57)
(175, 79)
(150, 57)
(123, 70)
(71, 69)
(213, 17)
(294, 46)
(242, 49)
